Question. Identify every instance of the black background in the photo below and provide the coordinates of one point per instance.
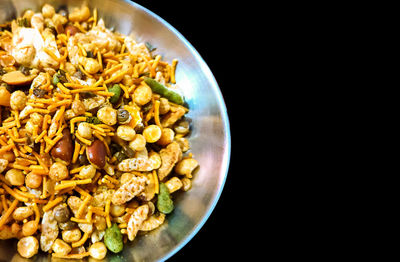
(213, 30)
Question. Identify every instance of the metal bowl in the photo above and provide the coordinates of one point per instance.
(210, 137)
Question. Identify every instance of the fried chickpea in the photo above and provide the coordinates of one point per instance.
(18, 100)
(78, 107)
(15, 177)
(20, 213)
(117, 210)
(71, 235)
(152, 133)
(98, 250)
(88, 171)
(48, 11)
(28, 246)
(107, 115)
(36, 118)
(142, 95)
(58, 171)
(138, 143)
(60, 247)
(126, 133)
(84, 130)
(92, 66)
(33, 180)
(167, 136)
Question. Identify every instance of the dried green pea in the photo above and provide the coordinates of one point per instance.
(164, 202)
(113, 239)
(116, 89)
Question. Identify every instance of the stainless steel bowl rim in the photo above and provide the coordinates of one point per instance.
(225, 118)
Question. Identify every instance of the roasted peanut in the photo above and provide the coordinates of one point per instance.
(60, 247)
(96, 154)
(20, 213)
(63, 149)
(28, 246)
(71, 29)
(29, 228)
(15, 177)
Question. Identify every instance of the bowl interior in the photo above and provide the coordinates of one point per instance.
(210, 137)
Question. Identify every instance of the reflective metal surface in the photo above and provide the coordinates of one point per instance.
(210, 138)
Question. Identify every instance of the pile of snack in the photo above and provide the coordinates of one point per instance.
(92, 134)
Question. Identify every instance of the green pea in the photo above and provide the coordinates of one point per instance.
(116, 89)
(55, 79)
(164, 202)
(113, 239)
(160, 89)
(93, 120)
